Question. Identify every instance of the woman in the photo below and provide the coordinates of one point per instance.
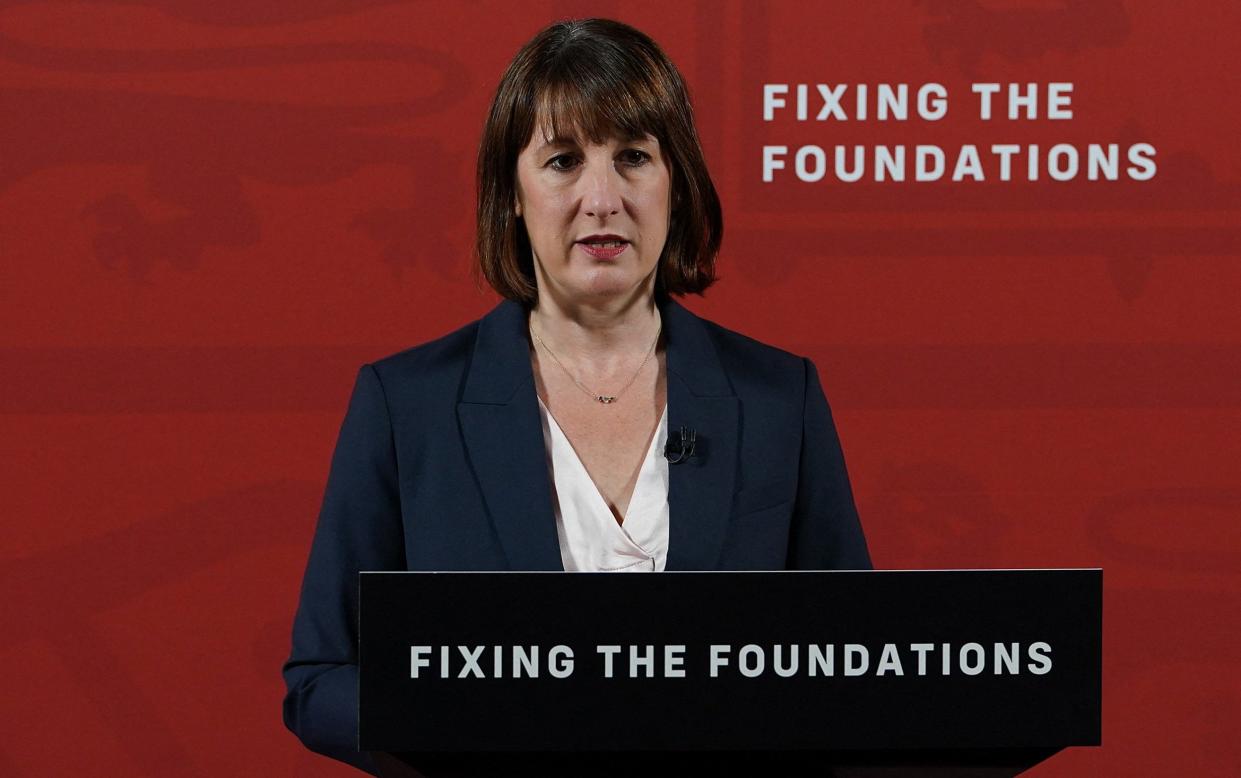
(537, 438)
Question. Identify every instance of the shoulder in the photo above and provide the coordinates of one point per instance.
(741, 350)
(753, 365)
(436, 366)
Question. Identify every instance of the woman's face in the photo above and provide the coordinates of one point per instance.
(597, 215)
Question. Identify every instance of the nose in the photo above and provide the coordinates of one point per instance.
(603, 182)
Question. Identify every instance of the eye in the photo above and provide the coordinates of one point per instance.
(562, 162)
(634, 157)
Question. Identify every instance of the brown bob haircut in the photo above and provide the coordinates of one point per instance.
(596, 78)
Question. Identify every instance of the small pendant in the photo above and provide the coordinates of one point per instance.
(605, 399)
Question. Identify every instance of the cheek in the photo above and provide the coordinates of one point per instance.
(549, 204)
(657, 208)
(659, 200)
(548, 222)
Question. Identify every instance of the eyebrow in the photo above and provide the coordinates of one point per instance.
(562, 140)
(557, 141)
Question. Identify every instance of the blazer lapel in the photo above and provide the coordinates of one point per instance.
(503, 436)
(499, 418)
(700, 398)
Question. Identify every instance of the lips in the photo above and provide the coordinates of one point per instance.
(607, 246)
(606, 238)
(604, 250)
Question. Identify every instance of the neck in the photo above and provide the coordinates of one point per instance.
(598, 331)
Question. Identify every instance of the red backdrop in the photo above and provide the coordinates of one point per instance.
(211, 213)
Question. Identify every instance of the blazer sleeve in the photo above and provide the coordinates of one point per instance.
(359, 528)
(825, 533)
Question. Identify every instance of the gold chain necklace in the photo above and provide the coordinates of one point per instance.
(603, 398)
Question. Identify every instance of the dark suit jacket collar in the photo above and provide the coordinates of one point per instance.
(504, 439)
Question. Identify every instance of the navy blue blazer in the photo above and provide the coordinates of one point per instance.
(440, 465)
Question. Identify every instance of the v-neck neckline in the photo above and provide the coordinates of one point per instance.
(641, 486)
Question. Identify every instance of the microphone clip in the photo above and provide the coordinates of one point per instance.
(681, 445)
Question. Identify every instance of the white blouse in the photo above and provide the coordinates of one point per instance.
(590, 537)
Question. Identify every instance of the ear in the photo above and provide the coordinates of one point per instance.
(517, 209)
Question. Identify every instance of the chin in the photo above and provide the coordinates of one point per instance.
(606, 283)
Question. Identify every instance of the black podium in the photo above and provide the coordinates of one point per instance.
(947, 672)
